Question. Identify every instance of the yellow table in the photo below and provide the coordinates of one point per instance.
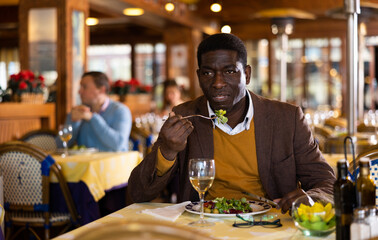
(332, 159)
(99, 171)
(222, 230)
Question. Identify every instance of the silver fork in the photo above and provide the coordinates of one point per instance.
(198, 115)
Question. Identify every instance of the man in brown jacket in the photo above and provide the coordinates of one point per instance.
(265, 148)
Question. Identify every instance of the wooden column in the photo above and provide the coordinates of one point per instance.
(190, 38)
(66, 52)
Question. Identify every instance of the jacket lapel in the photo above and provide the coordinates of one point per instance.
(263, 139)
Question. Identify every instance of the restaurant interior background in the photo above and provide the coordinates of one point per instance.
(161, 44)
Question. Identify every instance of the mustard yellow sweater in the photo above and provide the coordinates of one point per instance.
(236, 169)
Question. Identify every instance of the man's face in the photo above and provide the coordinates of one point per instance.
(88, 91)
(223, 79)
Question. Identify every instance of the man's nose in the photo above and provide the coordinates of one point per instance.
(219, 80)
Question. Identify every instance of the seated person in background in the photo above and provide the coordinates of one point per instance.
(265, 148)
(172, 96)
(99, 122)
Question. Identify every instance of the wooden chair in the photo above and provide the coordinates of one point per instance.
(143, 138)
(336, 122)
(2, 213)
(135, 143)
(43, 138)
(321, 134)
(371, 153)
(363, 128)
(373, 171)
(27, 171)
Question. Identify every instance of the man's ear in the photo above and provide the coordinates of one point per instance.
(247, 71)
(103, 89)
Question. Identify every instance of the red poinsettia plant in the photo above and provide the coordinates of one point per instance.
(132, 86)
(26, 82)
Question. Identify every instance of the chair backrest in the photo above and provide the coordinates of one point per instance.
(335, 122)
(43, 138)
(364, 128)
(371, 153)
(141, 140)
(321, 134)
(26, 174)
(373, 174)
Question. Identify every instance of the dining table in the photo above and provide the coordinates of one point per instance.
(222, 229)
(92, 177)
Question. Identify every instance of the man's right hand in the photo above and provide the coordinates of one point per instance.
(174, 135)
(81, 112)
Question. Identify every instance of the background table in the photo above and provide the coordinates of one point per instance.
(222, 230)
(94, 178)
(332, 159)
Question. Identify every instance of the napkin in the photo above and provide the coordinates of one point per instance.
(170, 213)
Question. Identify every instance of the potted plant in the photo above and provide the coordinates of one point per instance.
(26, 87)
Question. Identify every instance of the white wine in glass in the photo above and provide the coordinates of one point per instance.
(65, 134)
(201, 175)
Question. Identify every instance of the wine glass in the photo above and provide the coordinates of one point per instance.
(65, 134)
(201, 175)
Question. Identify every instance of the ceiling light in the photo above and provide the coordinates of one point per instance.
(216, 6)
(91, 21)
(226, 29)
(133, 11)
(169, 7)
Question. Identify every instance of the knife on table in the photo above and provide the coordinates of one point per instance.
(256, 197)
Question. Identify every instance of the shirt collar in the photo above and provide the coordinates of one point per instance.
(241, 126)
(105, 105)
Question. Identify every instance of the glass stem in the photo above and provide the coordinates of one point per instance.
(202, 196)
(65, 148)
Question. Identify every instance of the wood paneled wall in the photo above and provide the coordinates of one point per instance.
(16, 119)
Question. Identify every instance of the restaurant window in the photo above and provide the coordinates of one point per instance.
(294, 72)
(160, 69)
(113, 60)
(335, 74)
(316, 72)
(9, 64)
(275, 90)
(258, 59)
(294, 91)
(144, 63)
(370, 55)
(160, 73)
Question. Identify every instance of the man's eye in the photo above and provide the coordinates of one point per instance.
(230, 71)
(207, 73)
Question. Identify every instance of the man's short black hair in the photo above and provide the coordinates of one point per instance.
(99, 78)
(222, 41)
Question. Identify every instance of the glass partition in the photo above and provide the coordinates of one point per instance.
(316, 71)
(144, 63)
(258, 59)
(294, 92)
(42, 37)
(114, 60)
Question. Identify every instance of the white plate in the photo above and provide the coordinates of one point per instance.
(78, 151)
(257, 207)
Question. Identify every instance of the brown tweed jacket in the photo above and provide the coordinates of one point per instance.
(286, 153)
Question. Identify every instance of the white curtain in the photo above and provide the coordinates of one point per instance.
(9, 64)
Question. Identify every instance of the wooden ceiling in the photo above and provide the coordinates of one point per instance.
(114, 27)
(241, 15)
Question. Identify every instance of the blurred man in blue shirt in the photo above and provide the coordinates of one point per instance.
(99, 122)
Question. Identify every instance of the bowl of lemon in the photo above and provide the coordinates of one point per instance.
(314, 215)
